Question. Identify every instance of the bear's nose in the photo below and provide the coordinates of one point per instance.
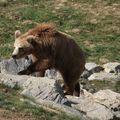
(14, 56)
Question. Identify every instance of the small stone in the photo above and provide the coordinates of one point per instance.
(25, 22)
(117, 69)
(3, 3)
(93, 67)
(5, 90)
(12, 66)
(97, 69)
(90, 66)
(13, 109)
(111, 67)
(86, 74)
(76, 30)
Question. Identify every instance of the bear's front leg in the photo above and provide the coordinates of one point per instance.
(39, 66)
(29, 70)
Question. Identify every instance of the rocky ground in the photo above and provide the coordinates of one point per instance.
(95, 25)
(47, 91)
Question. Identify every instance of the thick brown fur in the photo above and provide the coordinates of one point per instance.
(54, 49)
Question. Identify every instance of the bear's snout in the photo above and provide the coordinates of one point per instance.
(14, 56)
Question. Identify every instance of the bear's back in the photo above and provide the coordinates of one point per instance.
(68, 53)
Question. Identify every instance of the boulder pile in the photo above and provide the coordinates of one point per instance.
(47, 91)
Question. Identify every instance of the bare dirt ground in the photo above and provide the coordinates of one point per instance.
(11, 115)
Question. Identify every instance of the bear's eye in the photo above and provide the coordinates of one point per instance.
(20, 49)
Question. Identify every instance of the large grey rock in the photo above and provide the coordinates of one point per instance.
(99, 106)
(12, 66)
(94, 110)
(36, 87)
(111, 67)
(62, 108)
(110, 100)
(43, 88)
(13, 80)
(103, 105)
(104, 76)
(46, 92)
(107, 97)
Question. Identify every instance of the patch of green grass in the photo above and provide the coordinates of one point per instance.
(5, 51)
(98, 23)
(101, 85)
(10, 99)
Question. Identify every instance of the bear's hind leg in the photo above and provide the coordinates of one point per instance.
(77, 89)
(71, 86)
(68, 88)
(72, 89)
(39, 66)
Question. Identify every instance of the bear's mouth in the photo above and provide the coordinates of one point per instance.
(14, 56)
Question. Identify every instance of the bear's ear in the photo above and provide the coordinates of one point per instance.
(17, 33)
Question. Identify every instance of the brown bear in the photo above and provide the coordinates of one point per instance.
(50, 48)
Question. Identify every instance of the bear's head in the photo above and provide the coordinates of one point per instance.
(23, 45)
(34, 40)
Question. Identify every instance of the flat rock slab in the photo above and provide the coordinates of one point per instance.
(13, 80)
(107, 97)
(12, 66)
(43, 88)
(94, 110)
(46, 92)
(35, 87)
(100, 106)
(103, 105)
